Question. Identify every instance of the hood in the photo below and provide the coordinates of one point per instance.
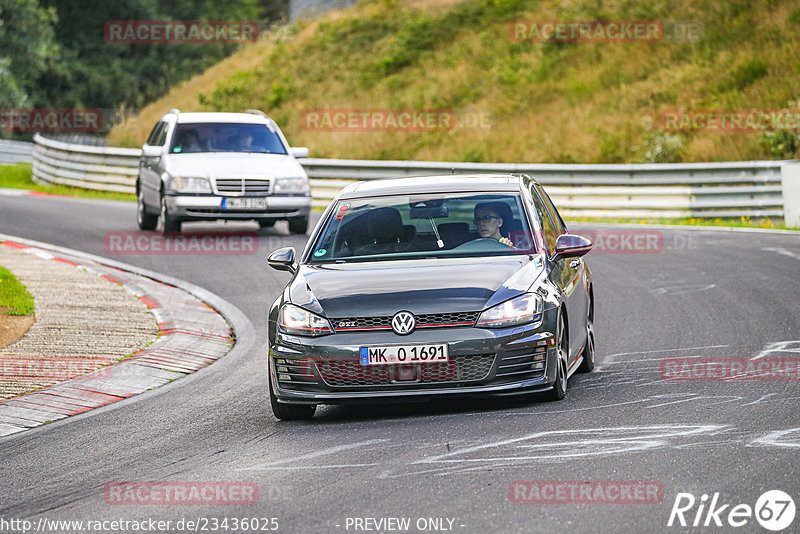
(234, 165)
(419, 286)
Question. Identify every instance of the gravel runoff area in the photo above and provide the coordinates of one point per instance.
(89, 316)
(83, 322)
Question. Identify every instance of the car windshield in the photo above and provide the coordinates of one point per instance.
(424, 226)
(226, 137)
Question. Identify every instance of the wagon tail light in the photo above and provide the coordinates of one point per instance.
(297, 321)
(524, 309)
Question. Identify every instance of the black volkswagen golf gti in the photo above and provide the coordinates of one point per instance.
(418, 287)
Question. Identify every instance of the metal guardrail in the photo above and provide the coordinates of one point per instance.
(88, 167)
(748, 188)
(15, 152)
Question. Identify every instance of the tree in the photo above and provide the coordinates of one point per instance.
(27, 49)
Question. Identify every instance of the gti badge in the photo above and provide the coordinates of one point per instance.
(403, 323)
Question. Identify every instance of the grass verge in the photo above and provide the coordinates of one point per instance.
(20, 176)
(734, 222)
(14, 298)
(513, 100)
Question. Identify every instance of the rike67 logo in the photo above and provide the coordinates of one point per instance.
(774, 510)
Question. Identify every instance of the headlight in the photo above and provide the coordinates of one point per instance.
(294, 320)
(190, 185)
(524, 309)
(291, 185)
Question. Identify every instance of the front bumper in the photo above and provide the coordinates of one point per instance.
(206, 207)
(326, 370)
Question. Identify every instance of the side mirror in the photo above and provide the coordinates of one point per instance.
(300, 152)
(571, 245)
(282, 259)
(151, 151)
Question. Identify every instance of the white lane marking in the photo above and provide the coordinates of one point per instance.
(779, 346)
(682, 289)
(555, 446)
(667, 350)
(294, 467)
(783, 251)
(776, 439)
(315, 454)
(611, 359)
(598, 407)
(613, 438)
(707, 444)
(657, 359)
(692, 398)
(13, 192)
(760, 399)
(655, 398)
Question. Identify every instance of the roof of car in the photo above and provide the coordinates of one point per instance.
(194, 117)
(436, 184)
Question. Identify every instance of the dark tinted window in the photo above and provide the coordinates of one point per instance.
(159, 131)
(225, 137)
(560, 227)
(548, 230)
(161, 138)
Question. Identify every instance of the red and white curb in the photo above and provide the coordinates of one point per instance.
(28, 193)
(192, 335)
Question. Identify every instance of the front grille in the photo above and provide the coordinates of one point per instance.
(447, 319)
(300, 374)
(431, 320)
(522, 364)
(246, 186)
(350, 373)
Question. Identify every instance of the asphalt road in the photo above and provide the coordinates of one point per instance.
(704, 293)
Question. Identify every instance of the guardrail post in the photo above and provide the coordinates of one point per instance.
(790, 188)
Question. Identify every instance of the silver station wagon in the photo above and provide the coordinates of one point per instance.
(210, 166)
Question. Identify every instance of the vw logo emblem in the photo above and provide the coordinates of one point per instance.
(403, 323)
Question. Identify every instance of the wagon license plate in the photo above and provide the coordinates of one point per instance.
(244, 203)
(397, 354)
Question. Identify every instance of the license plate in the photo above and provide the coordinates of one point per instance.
(398, 354)
(244, 203)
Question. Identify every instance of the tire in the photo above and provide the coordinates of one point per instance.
(145, 220)
(559, 390)
(167, 223)
(298, 225)
(290, 412)
(587, 365)
(266, 224)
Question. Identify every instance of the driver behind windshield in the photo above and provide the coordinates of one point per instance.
(488, 221)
